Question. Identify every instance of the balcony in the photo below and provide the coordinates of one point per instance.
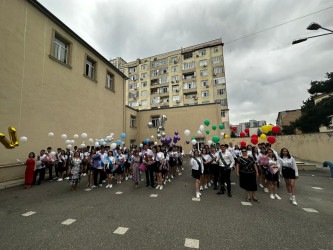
(164, 94)
(191, 90)
(192, 101)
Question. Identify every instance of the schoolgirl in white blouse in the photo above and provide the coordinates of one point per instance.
(197, 171)
(272, 174)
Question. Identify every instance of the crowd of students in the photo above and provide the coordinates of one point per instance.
(211, 166)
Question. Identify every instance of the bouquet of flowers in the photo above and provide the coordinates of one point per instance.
(263, 160)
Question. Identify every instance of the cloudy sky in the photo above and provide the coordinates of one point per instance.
(265, 73)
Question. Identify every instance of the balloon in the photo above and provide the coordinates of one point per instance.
(23, 139)
(263, 136)
(63, 136)
(106, 140)
(118, 142)
(193, 138)
(150, 124)
(199, 132)
(209, 142)
(91, 140)
(112, 134)
(176, 132)
(221, 126)
(214, 127)
(270, 127)
(163, 134)
(254, 140)
(202, 128)
(187, 132)
(75, 136)
(155, 143)
(152, 137)
(275, 129)
(226, 136)
(216, 139)
(122, 143)
(51, 134)
(271, 139)
(207, 122)
(254, 135)
(68, 142)
(247, 130)
(234, 129)
(222, 134)
(72, 141)
(69, 146)
(123, 136)
(83, 145)
(207, 132)
(187, 142)
(158, 136)
(194, 142)
(141, 145)
(147, 141)
(84, 135)
(265, 129)
(243, 144)
(242, 134)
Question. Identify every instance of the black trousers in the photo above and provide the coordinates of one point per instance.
(214, 168)
(41, 173)
(96, 172)
(150, 175)
(225, 178)
(49, 166)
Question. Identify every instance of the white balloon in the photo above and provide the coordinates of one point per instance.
(51, 134)
(187, 132)
(84, 135)
(155, 143)
(199, 132)
(163, 134)
(83, 145)
(96, 144)
(209, 142)
(150, 124)
(113, 145)
(222, 134)
(91, 140)
(75, 136)
(69, 146)
(152, 137)
(112, 134)
(23, 139)
(194, 142)
(68, 141)
(102, 140)
(141, 145)
(72, 141)
(53, 153)
(104, 143)
(202, 128)
(63, 136)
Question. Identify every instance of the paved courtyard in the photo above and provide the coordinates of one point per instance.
(50, 216)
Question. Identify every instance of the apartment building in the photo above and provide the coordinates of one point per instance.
(189, 76)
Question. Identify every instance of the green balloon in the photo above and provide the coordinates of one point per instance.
(221, 126)
(207, 122)
(193, 138)
(214, 127)
(207, 132)
(216, 139)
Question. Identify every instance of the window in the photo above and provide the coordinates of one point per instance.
(133, 121)
(189, 65)
(165, 100)
(203, 63)
(220, 91)
(175, 98)
(202, 52)
(216, 49)
(144, 93)
(134, 77)
(160, 62)
(60, 49)
(90, 68)
(132, 69)
(144, 102)
(144, 84)
(133, 94)
(174, 69)
(155, 100)
(204, 83)
(205, 93)
(190, 85)
(175, 88)
(110, 81)
(203, 72)
(133, 86)
(189, 75)
(218, 80)
(163, 80)
(174, 59)
(154, 72)
(217, 70)
(164, 71)
(164, 90)
(133, 104)
(223, 102)
(188, 55)
(143, 75)
(222, 113)
(143, 66)
(174, 78)
(216, 59)
(191, 97)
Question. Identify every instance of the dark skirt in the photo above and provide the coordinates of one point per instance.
(206, 169)
(272, 177)
(119, 170)
(196, 174)
(288, 173)
(108, 170)
(248, 181)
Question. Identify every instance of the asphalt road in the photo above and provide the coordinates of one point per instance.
(164, 222)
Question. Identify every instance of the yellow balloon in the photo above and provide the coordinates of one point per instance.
(265, 129)
(263, 136)
(226, 136)
(270, 127)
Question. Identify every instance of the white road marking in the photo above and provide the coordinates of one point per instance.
(68, 222)
(245, 203)
(191, 243)
(28, 213)
(318, 188)
(88, 189)
(311, 210)
(233, 183)
(195, 199)
(313, 175)
(121, 230)
(153, 195)
(119, 192)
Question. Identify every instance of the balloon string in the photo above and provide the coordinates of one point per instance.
(25, 31)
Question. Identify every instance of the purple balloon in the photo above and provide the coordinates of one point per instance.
(173, 144)
(176, 132)
(187, 142)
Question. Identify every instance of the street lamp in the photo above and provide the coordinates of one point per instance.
(313, 26)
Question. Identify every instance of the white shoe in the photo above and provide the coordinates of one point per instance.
(272, 196)
(110, 186)
(277, 197)
(67, 178)
(201, 188)
(291, 197)
(93, 186)
(209, 185)
(183, 169)
(197, 195)
(130, 176)
(158, 186)
(177, 170)
(211, 181)
(169, 180)
(126, 178)
(266, 190)
(164, 182)
(179, 173)
(107, 186)
(161, 187)
(260, 185)
(294, 202)
(103, 181)
(206, 186)
(84, 174)
(100, 185)
(171, 176)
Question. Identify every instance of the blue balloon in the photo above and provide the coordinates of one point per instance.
(118, 142)
(106, 140)
(123, 136)
(147, 140)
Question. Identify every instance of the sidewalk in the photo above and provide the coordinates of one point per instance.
(9, 184)
(319, 165)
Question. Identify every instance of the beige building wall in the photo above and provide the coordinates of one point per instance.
(39, 95)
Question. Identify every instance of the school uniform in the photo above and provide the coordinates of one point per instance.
(214, 169)
(40, 169)
(289, 167)
(226, 163)
(150, 167)
(197, 167)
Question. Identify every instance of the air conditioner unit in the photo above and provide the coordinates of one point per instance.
(177, 90)
(214, 74)
(197, 55)
(177, 101)
(172, 81)
(177, 81)
(205, 65)
(207, 86)
(155, 59)
(141, 78)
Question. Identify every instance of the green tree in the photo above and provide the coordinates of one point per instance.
(315, 115)
(289, 129)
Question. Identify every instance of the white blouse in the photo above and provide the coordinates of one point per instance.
(195, 165)
(290, 163)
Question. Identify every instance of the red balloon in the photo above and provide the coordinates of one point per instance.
(254, 136)
(247, 130)
(275, 129)
(242, 134)
(271, 139)
(254, 140)
(234, 128)
(243, 144)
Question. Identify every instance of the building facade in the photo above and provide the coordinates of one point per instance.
(286, 117)
(189, 76)
(252, 125)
